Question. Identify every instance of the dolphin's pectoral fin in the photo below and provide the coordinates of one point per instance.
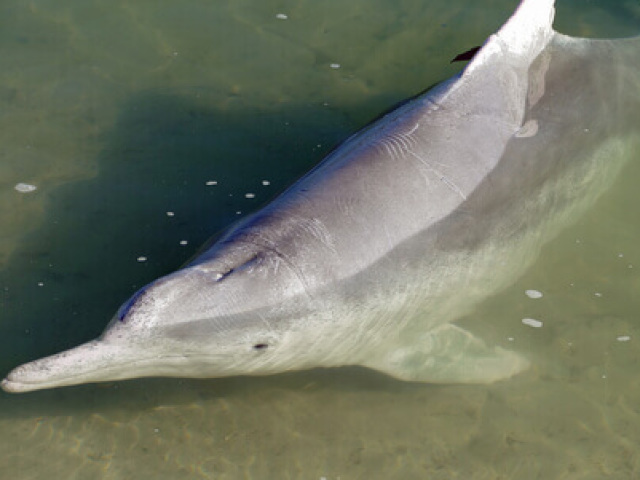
(450, 354)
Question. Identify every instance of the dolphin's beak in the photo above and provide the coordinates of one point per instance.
(93, 361)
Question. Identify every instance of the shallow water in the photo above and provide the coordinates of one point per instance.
(121, 112)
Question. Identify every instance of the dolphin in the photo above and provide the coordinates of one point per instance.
(371, 257)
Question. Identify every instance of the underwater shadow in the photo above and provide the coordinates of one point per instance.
(114, 399)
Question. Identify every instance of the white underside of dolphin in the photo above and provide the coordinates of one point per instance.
(370, 258)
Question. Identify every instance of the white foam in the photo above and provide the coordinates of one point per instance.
(533, 293)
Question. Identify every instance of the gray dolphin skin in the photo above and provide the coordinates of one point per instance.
(370, 258)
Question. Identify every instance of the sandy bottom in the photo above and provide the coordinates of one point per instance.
(121, 112)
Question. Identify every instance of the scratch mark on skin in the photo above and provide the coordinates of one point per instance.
(388, 236)
(415, 127)
(267, 324)
(453, 187)
(396, 150)
(312, 226)
(398, 143)
(296, 271)
(441, 176)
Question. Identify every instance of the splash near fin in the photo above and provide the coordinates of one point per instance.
(450, 354)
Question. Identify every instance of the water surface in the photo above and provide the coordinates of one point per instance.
(144, 125)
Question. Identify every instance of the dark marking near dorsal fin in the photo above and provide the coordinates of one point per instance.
(468, 55)
(243, 266)
(124, 310)
(222, 276)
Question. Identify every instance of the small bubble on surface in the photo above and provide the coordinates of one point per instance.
(250, 195)
(335, 65)
(25, 187)
(282, 16)
(184, 242)
(170, 214)
(533, 293)
(623, 338)
(210, 183)
(532, 322)
(142, 259)
(266, 182)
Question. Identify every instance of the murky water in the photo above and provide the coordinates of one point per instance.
(144, 124)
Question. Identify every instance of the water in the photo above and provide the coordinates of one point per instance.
(121, 112)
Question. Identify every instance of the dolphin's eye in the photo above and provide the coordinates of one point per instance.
(260, 346)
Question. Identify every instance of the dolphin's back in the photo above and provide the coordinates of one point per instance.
(401, 175)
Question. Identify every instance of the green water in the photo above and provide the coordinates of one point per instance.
(121, 112)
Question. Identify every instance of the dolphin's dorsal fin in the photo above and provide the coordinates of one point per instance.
(530, 27)
(524, 35)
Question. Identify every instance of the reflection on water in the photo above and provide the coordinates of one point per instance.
(148, 126)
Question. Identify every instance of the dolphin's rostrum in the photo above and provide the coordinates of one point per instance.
(369, 258)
